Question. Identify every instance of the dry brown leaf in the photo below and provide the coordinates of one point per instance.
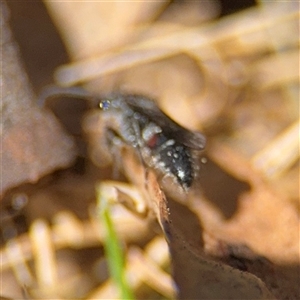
(27, 132)
(233, 78)
(197, 276)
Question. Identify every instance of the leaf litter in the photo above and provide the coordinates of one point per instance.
(217, 77)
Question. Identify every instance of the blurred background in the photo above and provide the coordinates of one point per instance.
(227, 68)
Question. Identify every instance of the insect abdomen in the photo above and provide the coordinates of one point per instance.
(176, 160)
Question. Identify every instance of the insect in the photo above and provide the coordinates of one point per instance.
(162, 144)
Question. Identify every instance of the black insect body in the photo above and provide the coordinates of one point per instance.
(161, 142)
(138, 122)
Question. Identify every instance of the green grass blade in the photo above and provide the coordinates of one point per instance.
(113, 249)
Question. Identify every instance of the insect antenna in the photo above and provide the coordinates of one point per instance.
(53, 91)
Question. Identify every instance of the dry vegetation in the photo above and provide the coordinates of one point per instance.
(235, 235)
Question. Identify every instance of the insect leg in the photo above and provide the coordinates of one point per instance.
(140, 147)
(115, 143)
